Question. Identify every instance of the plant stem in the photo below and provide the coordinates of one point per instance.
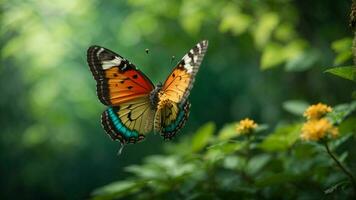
(248, 157)
(348, 173)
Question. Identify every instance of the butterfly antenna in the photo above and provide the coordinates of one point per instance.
(172, 59)
(122, 145)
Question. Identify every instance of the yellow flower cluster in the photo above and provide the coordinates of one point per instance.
(317, 127)
(246, 126)
(317, 111)
(314, 130)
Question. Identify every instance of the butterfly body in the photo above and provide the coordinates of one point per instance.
(135, 105)
(154, 95)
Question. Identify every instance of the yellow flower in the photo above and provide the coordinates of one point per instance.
(246, 126)
(317, 111)
(317, 129)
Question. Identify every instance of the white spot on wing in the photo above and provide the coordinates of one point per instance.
(195, 58)
(111, 63)
(187, 59)
(99, 52)
(189, 68)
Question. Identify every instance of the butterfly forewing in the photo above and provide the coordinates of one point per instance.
(179, 83)
(173, 107)
(118, 80)
(126, 90)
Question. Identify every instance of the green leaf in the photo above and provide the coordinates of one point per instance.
(256, 163)
(277, 179)
(340, 112)
(296, 107)
(228, 147)
(228, 132)
(348, 126)
(346, 72)
(234, 21)
(282, 138)
(275, 54)
(117, 189)
(145, 171)
(335, 187)
(343, 44)
(272, 56)
(261, 127)
(342, 57)
(343, 50)
(265, 26)
(285, 32)
(202, 136)
(302, 61)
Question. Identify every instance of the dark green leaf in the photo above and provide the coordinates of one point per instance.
(276, 179)
(296, 107)
(347, 72)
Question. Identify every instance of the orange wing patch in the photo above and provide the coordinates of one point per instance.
(179, 83)
(126, 86)
(176, 85)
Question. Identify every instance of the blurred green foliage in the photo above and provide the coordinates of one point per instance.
(262, 166)
(265, 61)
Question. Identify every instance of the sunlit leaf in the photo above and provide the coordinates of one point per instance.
(234, 21)
(342, 57)
(342, 47)
(227, 132)
(145, 171)
(346, 72)
(266, 24)
(273, 55)
(343, 44)
(285, 32)
(228, 147)
(117, 189)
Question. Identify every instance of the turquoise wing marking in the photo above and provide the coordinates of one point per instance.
(116, 129)
(119, 126)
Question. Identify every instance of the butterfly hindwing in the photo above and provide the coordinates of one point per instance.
(118, 80)
(170, 118)
(130, 121)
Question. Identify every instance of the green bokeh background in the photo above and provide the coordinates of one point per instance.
(261, 54)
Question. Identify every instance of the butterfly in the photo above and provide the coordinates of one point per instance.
(137, 107)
